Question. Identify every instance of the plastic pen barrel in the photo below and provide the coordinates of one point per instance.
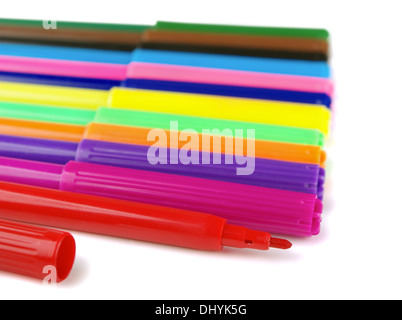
(137, 135)
(297, 214)
(218, 107)
(254, 64)
(105, 75)
(92, 75)
(236, 44)
(107, 216)
(229, 108)
(34, 251)
(225, 82)
(248, 170)
(230, 91)
(133, 118)
(70, 25)
(313, 33)
(65, 53)
(71, 37)
(169, 72)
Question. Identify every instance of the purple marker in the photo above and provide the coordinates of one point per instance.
(298, 177)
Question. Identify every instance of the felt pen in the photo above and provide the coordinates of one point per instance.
(242, 63)
(281, 212)
(77, 25)
(126, 219)
(229, 108)
(71, 37)
(136, 135)
(123, 37)
(93, 75)
(124, 117)
(299, 177)
(91, 36)
(236, 44)
(256, 64)
(314, 33)
(34, 251)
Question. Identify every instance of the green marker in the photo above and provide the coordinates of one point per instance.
(78, 25)
(143, 119)
(246, 30)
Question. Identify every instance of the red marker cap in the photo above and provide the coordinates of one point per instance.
(37, 252)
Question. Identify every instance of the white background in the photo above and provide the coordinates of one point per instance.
(357, 254)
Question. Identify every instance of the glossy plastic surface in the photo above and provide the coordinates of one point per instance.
(263, 208)
(207, 142)
(36, 112)
(53, 95)
(41, 130)
(268, 132)
(254, 64)
(238, 44)
(82, 117)
(230, 91)
(78, 25)
(137, 135)
(238, 109)
(155, 71)
(33, 251)
(70, 37)
(229, 108)
(247, 30)
(269, 173)
(64, 53)
(122, 218)
(62, 68)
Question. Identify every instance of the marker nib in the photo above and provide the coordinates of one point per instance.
(280, 243)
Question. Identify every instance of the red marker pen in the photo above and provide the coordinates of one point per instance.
(132, 220)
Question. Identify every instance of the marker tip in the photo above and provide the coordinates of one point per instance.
(280, 243)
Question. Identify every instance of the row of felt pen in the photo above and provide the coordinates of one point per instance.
(77, 105)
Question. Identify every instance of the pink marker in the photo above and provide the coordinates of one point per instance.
(265, 209)
(162, 72)
(154, 71)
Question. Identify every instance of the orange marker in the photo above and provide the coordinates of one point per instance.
(137, 135)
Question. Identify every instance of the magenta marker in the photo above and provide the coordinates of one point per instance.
(276, 211)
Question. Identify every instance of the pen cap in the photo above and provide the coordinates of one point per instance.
(261, 172)
(248, 170)
(269, 132)
(35, 251)
(209, 142)
(221, 61)
(229, 108)
(314, 33)
(143, 70)
(221, 40)
(266, 209)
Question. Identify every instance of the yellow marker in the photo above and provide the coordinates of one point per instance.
(240, 109)
(53, 95)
